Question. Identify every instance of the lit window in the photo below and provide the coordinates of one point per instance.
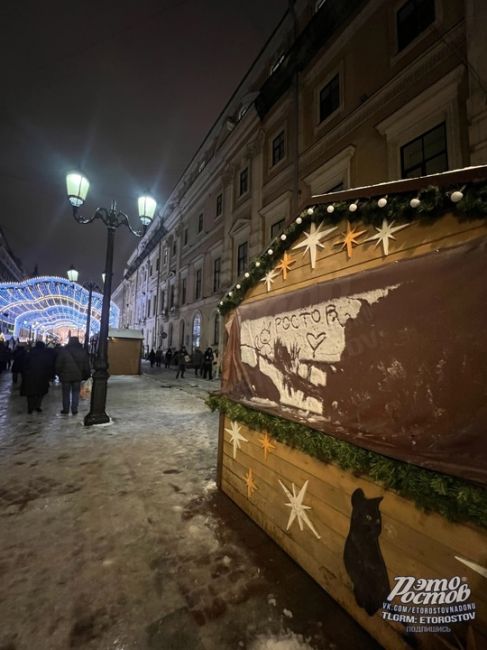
(278, 148)
(412, 19)
(242, 258)
(196, 330)
(329, 98)
(244, 181)
(426, 154)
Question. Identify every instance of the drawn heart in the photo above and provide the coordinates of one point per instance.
(315, 341)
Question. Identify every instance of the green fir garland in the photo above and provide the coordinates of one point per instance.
(433, 203)
(453, 498)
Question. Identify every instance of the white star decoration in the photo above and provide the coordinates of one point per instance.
(312, 240)
(269, 279)
(297, 508)
(384, 233)
(235, 437)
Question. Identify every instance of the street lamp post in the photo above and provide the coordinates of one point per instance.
(73, 275)
(77, 187)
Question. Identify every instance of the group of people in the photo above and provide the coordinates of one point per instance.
(38, 365)
(205, 363)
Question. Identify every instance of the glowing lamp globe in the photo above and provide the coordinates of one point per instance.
(72, 274)
(147, 207)
(77, 187)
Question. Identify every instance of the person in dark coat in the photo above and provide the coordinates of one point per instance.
(183, 359)
(36, 375)
(4, 354)
(158, 357)
(167, 358)
(72, 367)
(19, 356)
(197, 361)
(208, 363)
(152, 357)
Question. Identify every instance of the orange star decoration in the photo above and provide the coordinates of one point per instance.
(350, 239)
(249, 481)
(285, 265)
(266, 444)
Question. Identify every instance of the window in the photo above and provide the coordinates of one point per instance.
(216, 330)
(197, 284)
(200, 222)
(217, 265)
(171, 296)
(163, 298)
(183, 291)
(165, 254)
(181, 333)
(154, 306)
(169, 337)
(196, 330)
(278, 148)
(185, 237)
(412, 19)
(174, 247)
(242, 258)
(277, 228)
(329, 98)
(219, 205)
(157, 263)
(426, 154)
(244, 181)
(148, 308)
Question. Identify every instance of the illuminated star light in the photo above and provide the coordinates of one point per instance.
(266, 444)
(350, 239)
(298, 510)
(269, 279)
(312, 240)
(285, 265)
(250, 483)
(235, 437)
(472, 565)
(384, 233)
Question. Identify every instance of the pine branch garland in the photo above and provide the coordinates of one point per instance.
(453, 498)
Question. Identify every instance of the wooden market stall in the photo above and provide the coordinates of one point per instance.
(353, 404)
(124, 351)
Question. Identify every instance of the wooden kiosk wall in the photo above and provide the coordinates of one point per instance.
(413, 543)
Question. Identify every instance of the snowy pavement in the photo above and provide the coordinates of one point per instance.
(116, 538)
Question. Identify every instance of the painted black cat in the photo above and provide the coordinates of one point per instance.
(362, 555)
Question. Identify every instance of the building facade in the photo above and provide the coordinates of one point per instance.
(10, 266)
(343, 95)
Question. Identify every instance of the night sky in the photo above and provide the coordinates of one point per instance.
(124, 89)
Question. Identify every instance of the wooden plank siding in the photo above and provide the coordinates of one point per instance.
(413, 543)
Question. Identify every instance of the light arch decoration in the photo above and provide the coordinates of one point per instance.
(45, 304)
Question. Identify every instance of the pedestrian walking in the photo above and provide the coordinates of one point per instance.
(167, 358)
(158, 357)
(152, 357)
(37, 373)
(4, 354)
(197, 361)
(73, 367)
(208, 363)
(183, 360)
(19, 356)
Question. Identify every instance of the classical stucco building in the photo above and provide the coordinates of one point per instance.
(344, 94)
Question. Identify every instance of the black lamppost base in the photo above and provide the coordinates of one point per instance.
(96, 418)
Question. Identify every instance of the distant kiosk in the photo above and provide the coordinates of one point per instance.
(124, 351)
